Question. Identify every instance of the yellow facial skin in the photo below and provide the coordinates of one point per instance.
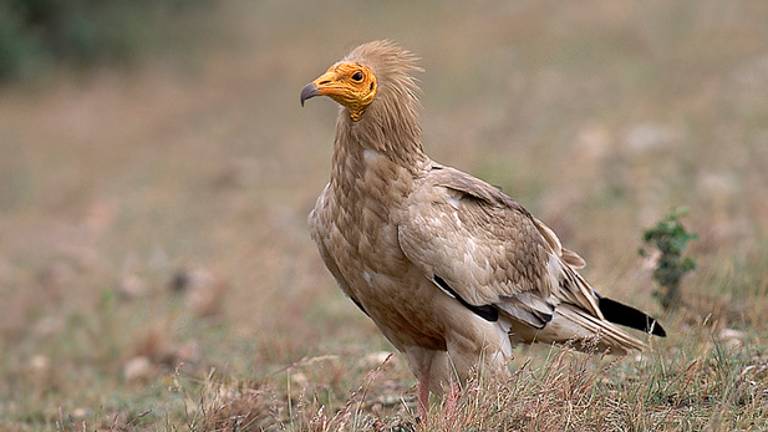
(350, 84)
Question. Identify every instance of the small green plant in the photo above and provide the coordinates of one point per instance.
(670, 238)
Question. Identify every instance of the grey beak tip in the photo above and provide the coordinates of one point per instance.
(309, 91)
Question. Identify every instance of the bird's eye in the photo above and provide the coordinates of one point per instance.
(357, 76)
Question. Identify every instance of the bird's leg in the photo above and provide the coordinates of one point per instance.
(423, 389)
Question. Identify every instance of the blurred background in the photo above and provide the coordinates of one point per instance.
(156, 172)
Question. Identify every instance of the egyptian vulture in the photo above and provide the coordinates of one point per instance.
(453, 271)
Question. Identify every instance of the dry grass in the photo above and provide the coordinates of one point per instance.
(152, 223)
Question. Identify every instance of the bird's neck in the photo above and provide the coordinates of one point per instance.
(376, 158)
(392, 131)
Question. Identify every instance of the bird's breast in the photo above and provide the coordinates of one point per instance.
(367, 192)
(379, 276)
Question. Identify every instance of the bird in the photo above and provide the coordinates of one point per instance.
(452, 270)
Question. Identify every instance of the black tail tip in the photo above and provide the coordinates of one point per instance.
(655, 328)
(622, 314)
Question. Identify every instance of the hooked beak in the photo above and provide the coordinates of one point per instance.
(320, 87)
(308, 92)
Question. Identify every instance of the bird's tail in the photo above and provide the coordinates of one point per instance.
(628, 316)
(573, 326)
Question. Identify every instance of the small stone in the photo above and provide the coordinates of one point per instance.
(729, 333)
(40, 362)
(594, 141)
(131, 286)
(79, 413)
(205, 292)
(137, 369)
(299, 379)
(179, 281)
(188, 352)
(732, 338)
(40, 365)
(389, 400)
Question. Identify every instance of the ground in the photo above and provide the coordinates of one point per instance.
(156, 271)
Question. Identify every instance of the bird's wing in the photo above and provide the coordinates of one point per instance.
(479, 245)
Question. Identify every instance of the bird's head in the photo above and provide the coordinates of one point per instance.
(350, 84)
(364, 76)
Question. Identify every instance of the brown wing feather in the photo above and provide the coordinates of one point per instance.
(489, 249)
(484, 249)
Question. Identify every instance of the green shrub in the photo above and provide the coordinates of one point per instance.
(670, 238)
(17, 47)
(80, 33)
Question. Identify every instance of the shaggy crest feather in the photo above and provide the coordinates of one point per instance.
(391, 123)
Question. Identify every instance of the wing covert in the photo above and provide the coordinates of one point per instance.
(489, 250)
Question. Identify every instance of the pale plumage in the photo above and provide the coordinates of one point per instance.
(451, 269)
